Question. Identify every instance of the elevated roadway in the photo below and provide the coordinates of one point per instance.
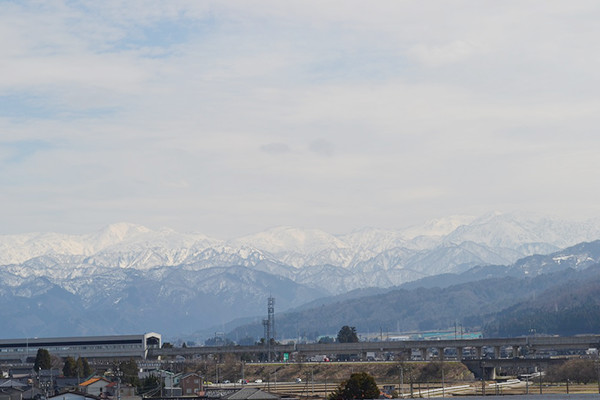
(477, 348)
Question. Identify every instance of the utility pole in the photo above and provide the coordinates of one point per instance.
(443, 380)
(401, 381)
(119, 374)
(598, 369)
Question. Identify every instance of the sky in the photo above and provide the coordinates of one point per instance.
(227, 118)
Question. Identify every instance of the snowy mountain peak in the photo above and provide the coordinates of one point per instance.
(438, 226)
(290, 239)
(116, 233)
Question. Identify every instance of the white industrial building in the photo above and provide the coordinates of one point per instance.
(117, 346)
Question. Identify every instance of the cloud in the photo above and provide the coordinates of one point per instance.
(388, 111)
(321, 147)
(436, 56)
(276, 148)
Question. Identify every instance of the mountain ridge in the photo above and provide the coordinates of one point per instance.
(120, 264)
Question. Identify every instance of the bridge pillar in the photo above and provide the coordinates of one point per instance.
(478, 351)
(424, 353)
(405, 354)
(515, 351)
(459, 353)
(496, 352)
(489, 372)
(441, 353)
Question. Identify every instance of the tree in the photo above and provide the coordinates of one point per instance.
(347, 334)
(70, 367)
(130, 372)
(83, 367)
(149, 383)
(575, 370)
(43, 360)
(360, 386)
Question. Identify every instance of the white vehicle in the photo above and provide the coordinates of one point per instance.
(258, 381)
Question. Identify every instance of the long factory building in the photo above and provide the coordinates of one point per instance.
(115, 346)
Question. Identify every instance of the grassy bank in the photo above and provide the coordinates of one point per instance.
(333, 372)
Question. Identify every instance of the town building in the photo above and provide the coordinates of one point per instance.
(91, 347)
(95, 386)
(191, 384)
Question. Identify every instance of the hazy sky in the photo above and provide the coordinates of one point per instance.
(231, 117)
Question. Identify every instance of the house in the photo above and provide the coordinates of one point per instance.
(12, 383)
(191, 384)
(10, 393)
(66, 384)
(33, 393)
(75, 395)
(94, 386)
(124, 391)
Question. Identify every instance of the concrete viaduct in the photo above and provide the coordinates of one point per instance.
(494, 348)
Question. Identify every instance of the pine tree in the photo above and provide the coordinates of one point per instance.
(70, 367)
(347, 334)
(42, 360)
(83, 368)
(360, 386)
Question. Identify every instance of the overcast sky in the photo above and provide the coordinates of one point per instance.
(227, 118)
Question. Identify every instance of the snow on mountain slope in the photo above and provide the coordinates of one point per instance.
(127, 267)
(293, 245)
(458, 258)
(437, 227)
(500, 238)
(373, 240)
(513, 230)
(579, 256)
(115, 238)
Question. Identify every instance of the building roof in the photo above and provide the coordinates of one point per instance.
(12, 383)
(93, 380)
(32, 393)
(73, 395)
(9, 390)
(185, 376)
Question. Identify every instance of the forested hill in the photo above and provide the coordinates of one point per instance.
(472, 304)
(569, 308)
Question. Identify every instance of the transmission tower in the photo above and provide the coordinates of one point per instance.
(271, 317)
(269, 326)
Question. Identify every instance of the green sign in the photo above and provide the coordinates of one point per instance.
(286, 356)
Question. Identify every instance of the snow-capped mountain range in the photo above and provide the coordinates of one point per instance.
(132, 276)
